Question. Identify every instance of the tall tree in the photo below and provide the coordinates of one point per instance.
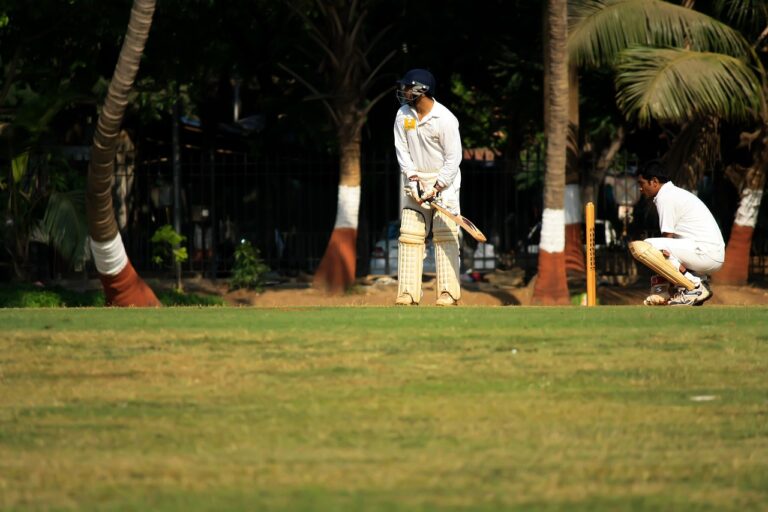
(680, 66)
(338, 30)
(551, 287)
(122, 285)
(574, 245)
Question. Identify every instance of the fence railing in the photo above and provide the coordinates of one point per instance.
(286, 208)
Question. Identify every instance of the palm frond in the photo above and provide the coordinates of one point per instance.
(694, 150)
(750, 15)
(673, 85)
(600, 29)
(65, 224)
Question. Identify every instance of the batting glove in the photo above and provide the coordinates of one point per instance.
(432, 192)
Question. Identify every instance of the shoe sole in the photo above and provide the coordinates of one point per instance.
(701, 303)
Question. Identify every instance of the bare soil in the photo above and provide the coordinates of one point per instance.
(381, 291)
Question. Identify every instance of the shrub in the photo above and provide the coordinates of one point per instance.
(176, 298)
(166, 246)
(30, 296)
(249, 269)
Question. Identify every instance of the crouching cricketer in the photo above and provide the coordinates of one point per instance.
(690, 248)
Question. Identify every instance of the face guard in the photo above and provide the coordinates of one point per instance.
(409, 93)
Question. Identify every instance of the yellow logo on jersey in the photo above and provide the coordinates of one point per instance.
(409, 123)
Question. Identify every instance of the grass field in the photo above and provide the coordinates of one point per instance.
(386, 409)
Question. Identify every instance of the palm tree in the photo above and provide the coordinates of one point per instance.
(575, 260)
(676, 65)
(345, 64)
(551, 286)
(122, 285)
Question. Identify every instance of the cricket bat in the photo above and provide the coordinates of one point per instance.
(462, 221)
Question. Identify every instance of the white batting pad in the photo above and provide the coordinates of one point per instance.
(110, 257)
(446, 237)
(413, 232)
(652, 258)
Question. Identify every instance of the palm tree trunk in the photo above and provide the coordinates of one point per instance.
(575, 260)
(336, 271)
(344, 43)
(126, 167)
(597, 173)
(122, 285)
(735, 270)
(551, 286)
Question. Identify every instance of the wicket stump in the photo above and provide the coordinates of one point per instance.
(590, 235)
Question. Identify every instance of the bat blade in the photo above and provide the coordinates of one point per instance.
(462, 221)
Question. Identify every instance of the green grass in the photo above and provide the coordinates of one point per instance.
(25, 295)
(383, 409)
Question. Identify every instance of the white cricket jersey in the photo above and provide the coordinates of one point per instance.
(686, 216)
(430, 145)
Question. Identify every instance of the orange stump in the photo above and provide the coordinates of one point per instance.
(589, 215)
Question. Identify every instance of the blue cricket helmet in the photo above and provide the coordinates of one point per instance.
(420, 81)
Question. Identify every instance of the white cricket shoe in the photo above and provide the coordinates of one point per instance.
(405, 299)
(695, 297)
(445, 299)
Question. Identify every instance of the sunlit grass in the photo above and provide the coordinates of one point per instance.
(384, 409)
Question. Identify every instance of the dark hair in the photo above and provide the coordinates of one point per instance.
(653, 169)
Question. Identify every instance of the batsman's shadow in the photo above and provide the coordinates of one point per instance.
(506, 298)
(503, 295)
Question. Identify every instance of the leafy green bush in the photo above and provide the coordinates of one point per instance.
(74, 299)
(30, 296)
(166, 246)
(175, 298)
(249, 269)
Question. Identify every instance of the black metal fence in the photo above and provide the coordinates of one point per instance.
(286, 206)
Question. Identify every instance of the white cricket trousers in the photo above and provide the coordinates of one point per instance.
(700, 258)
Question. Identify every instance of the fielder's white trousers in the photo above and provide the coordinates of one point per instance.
(700, 258)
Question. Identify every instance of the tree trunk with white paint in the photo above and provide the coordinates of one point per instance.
(122, 285)
(575, 259)
(735, 270)
(551, 286)
(344, 43)
(336, 272)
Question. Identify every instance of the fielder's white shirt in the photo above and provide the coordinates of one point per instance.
(430, 145)
(686, 216)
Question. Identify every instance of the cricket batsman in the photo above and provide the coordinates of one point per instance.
(428, 147)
